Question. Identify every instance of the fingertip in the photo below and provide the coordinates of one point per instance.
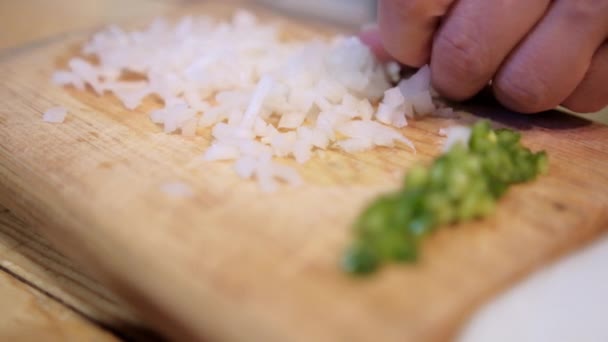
(447, 85)
(584, 106)
(521, 96)
(591, 95)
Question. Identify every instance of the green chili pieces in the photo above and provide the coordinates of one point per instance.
(462, 184)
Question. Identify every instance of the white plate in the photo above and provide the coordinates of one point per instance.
(567, 301)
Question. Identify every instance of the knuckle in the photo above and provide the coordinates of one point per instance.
(582, 11)
(523, 92)
(582, 108)
(458, 56)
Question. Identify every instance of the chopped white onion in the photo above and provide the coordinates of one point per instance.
(262, 97)
(55, 115)
(456, 135)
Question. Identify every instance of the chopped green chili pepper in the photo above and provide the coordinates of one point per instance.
(462, 184)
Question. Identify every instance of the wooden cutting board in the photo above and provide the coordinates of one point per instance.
(232, 263)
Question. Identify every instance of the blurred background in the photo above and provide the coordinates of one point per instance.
(348, 12)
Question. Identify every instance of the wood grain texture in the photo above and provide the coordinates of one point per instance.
(234, 264)
(28, 315)
(28, 256)
(24, 253)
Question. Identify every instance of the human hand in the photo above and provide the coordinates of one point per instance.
(537, 53)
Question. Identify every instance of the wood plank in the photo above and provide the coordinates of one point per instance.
(28, 315)
(233, 264)
(23, 252)
(27, 255)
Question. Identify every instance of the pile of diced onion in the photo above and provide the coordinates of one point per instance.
(262, 97)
